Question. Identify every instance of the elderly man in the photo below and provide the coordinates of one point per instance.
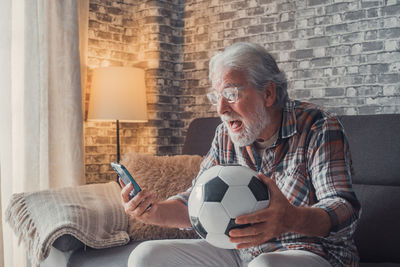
(301, 154)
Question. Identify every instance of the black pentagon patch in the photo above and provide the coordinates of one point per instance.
(259, 189)
(198, 227)
(233, 225)
(214, 190)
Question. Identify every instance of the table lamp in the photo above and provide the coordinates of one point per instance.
(118, 93)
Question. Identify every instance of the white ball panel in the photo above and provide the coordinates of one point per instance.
(195, 201)
(261, 205)
(237, 175)
(209, 174)
(238, 200)
(220, 240)
(213, 217)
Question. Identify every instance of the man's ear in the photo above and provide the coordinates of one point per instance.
(269, 94)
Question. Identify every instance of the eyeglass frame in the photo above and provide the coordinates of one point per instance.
(214, 96)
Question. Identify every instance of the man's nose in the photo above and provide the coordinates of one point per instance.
(223, 106)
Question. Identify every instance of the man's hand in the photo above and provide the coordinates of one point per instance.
(280, 217)
(266, 223)
(169, 213)
(142, 207)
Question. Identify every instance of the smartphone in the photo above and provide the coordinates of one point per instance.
(126, 177)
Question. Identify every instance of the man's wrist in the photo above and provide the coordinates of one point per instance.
(296, 219)
(173, 213)
(310, 221)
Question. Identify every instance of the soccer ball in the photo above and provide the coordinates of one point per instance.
(219, 195)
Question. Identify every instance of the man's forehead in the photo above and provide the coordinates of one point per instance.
(229, 78)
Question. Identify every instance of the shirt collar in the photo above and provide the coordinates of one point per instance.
(289, 127)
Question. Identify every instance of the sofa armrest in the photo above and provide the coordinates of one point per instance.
(91, 213)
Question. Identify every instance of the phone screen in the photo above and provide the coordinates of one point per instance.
(126, 177)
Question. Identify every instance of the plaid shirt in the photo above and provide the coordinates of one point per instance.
(311, 164)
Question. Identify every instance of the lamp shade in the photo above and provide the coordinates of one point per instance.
(118, 93)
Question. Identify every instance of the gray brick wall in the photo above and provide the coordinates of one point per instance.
(351, 68)
(344, 55)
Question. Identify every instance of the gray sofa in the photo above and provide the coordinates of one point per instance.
(375, 146)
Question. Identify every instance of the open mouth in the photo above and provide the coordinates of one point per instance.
(236, 125)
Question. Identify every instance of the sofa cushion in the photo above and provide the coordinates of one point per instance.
(109, 257)
(374, 147)
(378, 234)
(165, 176)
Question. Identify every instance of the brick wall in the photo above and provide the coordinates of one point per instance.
(344, 55)
(348, 55)
(145, 34)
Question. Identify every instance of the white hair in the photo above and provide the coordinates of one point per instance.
(258, 65)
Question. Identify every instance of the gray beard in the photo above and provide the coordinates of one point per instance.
(251, 129)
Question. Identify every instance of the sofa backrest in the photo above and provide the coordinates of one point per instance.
(200, 135)
(375, 146)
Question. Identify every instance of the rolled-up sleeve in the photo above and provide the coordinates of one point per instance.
(329, 165)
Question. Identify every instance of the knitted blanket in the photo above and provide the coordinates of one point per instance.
(91, 213)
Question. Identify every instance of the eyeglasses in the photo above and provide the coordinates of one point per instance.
(231, 94)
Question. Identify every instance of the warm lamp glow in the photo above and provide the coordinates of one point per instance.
(118, 93)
